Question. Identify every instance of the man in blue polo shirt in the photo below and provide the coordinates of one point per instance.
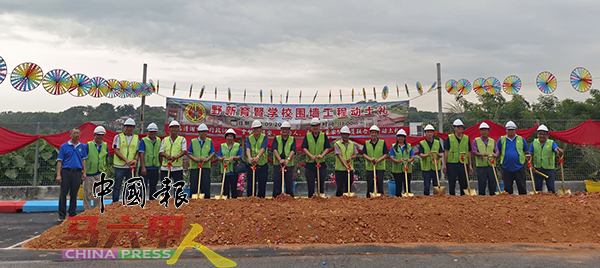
(512, 149)
(70, 171)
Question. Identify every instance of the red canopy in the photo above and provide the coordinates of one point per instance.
(584, 134)
(87, 134)
(12, 141)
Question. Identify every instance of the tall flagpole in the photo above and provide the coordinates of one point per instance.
(143, 100)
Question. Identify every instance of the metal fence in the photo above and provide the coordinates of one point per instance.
(35, 165)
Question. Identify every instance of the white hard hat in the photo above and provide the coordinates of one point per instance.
(511, 125)
(542, 128)
(100, 130)
(374, 128)
(202, 127)
(458, 123)
(345, 130)
(129, 122)
(484, 125)
(152, 127)
(230, 131)
(401, 132)
(429, 127)
(174, 124)
(286, 124)
(256, 123)
(315, 122)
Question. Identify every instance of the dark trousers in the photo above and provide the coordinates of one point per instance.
(310, 172)
(121, 174)
(485, 177)
(289, 180)
(204, 183)
(151, 180)
(230, 187)
(71, 180)
(341, 179)
(456, 171)
(370, 184)
(401, 181)
(517, 176)
(539, 180)
(262, 173)
(428, 177)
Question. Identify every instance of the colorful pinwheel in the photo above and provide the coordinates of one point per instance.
(463, 86)
(114, 88)
(272, 95)
(229, 93)
(300, 97)
(190, 94)
(201, 92)
(99, 87)
(407, 93)
(341, 95)
(127, 89)
(581, 79)
(492, 85)
(215, 93)
(419, 88)
(397, 91)
(315, 97)
(136, 90)
(151, 84)
(374, 93)
(244, 94)
(157, 86)
(174, 88)
(432, 86)
(26, 76)
(385, 92)
(81, 85)
(511, 85)
(287, 95)
(146, 90)
(478, 86)
(330, 96)
(2, 70)
(451, 86)
(364, 94)
(57, 82)
(546, 82)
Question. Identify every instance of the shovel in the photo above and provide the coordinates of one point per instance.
(282, 179)
(467, 191)
(349, 193)
(375, 194)
(438, 190)
(406, 193)
(530, 167)
(169, 164)
(253, 179)
(319, 181)
(563, 190)
(493, 162)
(198, 195)
(221, 196)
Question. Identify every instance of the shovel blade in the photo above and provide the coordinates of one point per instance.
(564, 191)
(375, 194)
(223, 197)
(322, 195)
(439, 190)
(197, 196)
(350, 194)
(532, 192)
(470, 192)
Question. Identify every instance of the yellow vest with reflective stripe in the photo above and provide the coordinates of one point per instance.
(127, 150)
(173, 149)
(481, 161)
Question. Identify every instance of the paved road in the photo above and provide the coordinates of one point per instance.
(15, 228)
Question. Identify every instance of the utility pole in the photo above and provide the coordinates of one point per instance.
(143, 100)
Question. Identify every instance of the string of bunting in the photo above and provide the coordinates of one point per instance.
(28, 76)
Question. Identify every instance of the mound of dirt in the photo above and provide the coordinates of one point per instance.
(544, 218)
